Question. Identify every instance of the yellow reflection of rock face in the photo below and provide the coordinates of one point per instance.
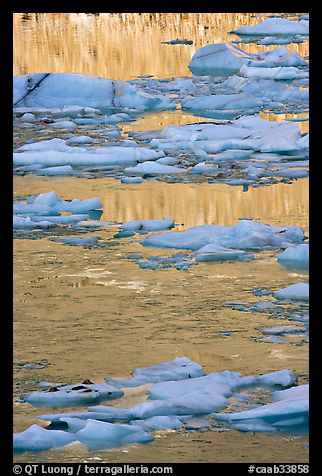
(159, 120)
(121, 45)
(304, 126)
(187, 204)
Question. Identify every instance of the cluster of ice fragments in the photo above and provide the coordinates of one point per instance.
(271, 80)
(258, 148)
(179, 395)
(214, 243)
(45, 211)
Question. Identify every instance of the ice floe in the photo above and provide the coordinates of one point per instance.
(214, 252)
(295, 256)
(223, 59)
(78, 394)
(233, 103)
(44, 210)
(297, 291)
(278, 73)
(245, 235)
(176, 399)
(73, 156)
(86, 241)
(178, 42)
(153, 168)
(290, 412)
(276, 27)
(148, 225)
(177, 369)
(98, 435)
(51, 90)
(36, 438)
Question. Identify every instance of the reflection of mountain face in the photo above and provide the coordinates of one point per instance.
(113, 46)
(199, 204)
(191, 205)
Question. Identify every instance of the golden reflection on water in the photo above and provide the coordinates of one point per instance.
(121, 45)
(159, 120)
(189, 204)
(304, 126)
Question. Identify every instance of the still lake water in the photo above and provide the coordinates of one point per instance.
(94, 313)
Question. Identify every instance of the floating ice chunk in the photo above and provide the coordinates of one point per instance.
(235, 139)
(158, 423)
(231, 102)
(77, 206)
(240, 182)
(273, 340)
(80, 140)
(115, 118)
(184, 86)
(198, 395)
(277, 73)
(98, 435)
(78, 394)
(101, 413)
(219, 59)
(63, 125)
(271, 91)
(55, 171)
(113, 155)
(49, 199)
(52, 144)
(87, 241)
(302, 391)
(153, 168)
(290, 412)
(246, 234)
(278, 57)
(22, 85)
(178, 42)
(224, 59)
(284, 378)
(303, 142)
(275, 26)
(297, 291)
(33, 209)
(132, 180)
(63, 219)
(197, 402)
(21, 223)
(36, 438)
(286, 173)
(214, 252)
(295, 256)
(177, 369)
(148, 225)
(272, 40)
(28, 117)
(284, 330)
(69, 89)
(203, 168)
(168, 161)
